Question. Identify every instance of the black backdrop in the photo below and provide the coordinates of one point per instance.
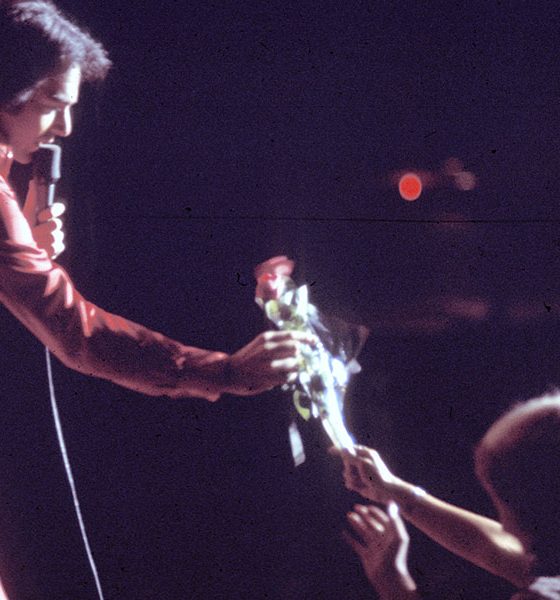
(229, 132)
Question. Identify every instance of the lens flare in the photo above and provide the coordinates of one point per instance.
(410, 187)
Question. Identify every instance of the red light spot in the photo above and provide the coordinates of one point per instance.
(410, 187)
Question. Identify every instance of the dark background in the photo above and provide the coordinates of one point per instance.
(229, 132)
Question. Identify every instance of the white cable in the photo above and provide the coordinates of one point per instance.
(69, 475)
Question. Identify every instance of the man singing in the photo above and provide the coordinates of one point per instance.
(45, 57)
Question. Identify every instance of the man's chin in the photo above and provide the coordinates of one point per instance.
(24, 158)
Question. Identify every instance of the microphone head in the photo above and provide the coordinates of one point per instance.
(46, 163)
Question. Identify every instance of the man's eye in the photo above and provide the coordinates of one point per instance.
(47, 107)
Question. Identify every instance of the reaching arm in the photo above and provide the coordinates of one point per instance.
(478, 539)
(90, 340)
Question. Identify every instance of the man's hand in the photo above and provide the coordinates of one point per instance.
(46, 225)
(381, 543)
(272, 358)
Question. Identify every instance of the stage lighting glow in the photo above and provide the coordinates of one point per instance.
(410, 187)
(465, 181)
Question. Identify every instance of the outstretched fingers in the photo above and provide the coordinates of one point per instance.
(272, 358)
(286, 344)
(373, 535)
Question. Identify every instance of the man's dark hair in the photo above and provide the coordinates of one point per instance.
(38, 40)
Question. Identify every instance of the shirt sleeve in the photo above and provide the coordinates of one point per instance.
(39, 293)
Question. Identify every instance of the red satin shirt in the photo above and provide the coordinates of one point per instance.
(39, 293)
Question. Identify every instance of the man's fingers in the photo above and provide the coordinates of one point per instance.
(277, 335)
(57, 251)
(292, 377)
(49, 226)
(282, 344)
(50, 237)
(52, 212)
(48, 234)
(286, 349)
(285, 365)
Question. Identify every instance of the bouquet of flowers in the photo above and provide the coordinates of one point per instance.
(321, 383)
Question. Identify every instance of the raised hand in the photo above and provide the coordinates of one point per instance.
(381, 542)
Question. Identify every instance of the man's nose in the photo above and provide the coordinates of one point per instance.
(62, 127)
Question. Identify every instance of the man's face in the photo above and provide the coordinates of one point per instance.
(47, 115)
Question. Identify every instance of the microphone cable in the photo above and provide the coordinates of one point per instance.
(46, 170)
(69, 476)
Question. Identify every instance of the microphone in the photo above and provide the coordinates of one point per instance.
(46, 172)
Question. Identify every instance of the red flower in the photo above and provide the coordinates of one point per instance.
(271, 276)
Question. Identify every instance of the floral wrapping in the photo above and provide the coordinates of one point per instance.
(326, 369)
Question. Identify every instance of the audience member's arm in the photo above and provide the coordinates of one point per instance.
(477, 539)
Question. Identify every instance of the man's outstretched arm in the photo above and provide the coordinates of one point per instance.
(88, 339)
